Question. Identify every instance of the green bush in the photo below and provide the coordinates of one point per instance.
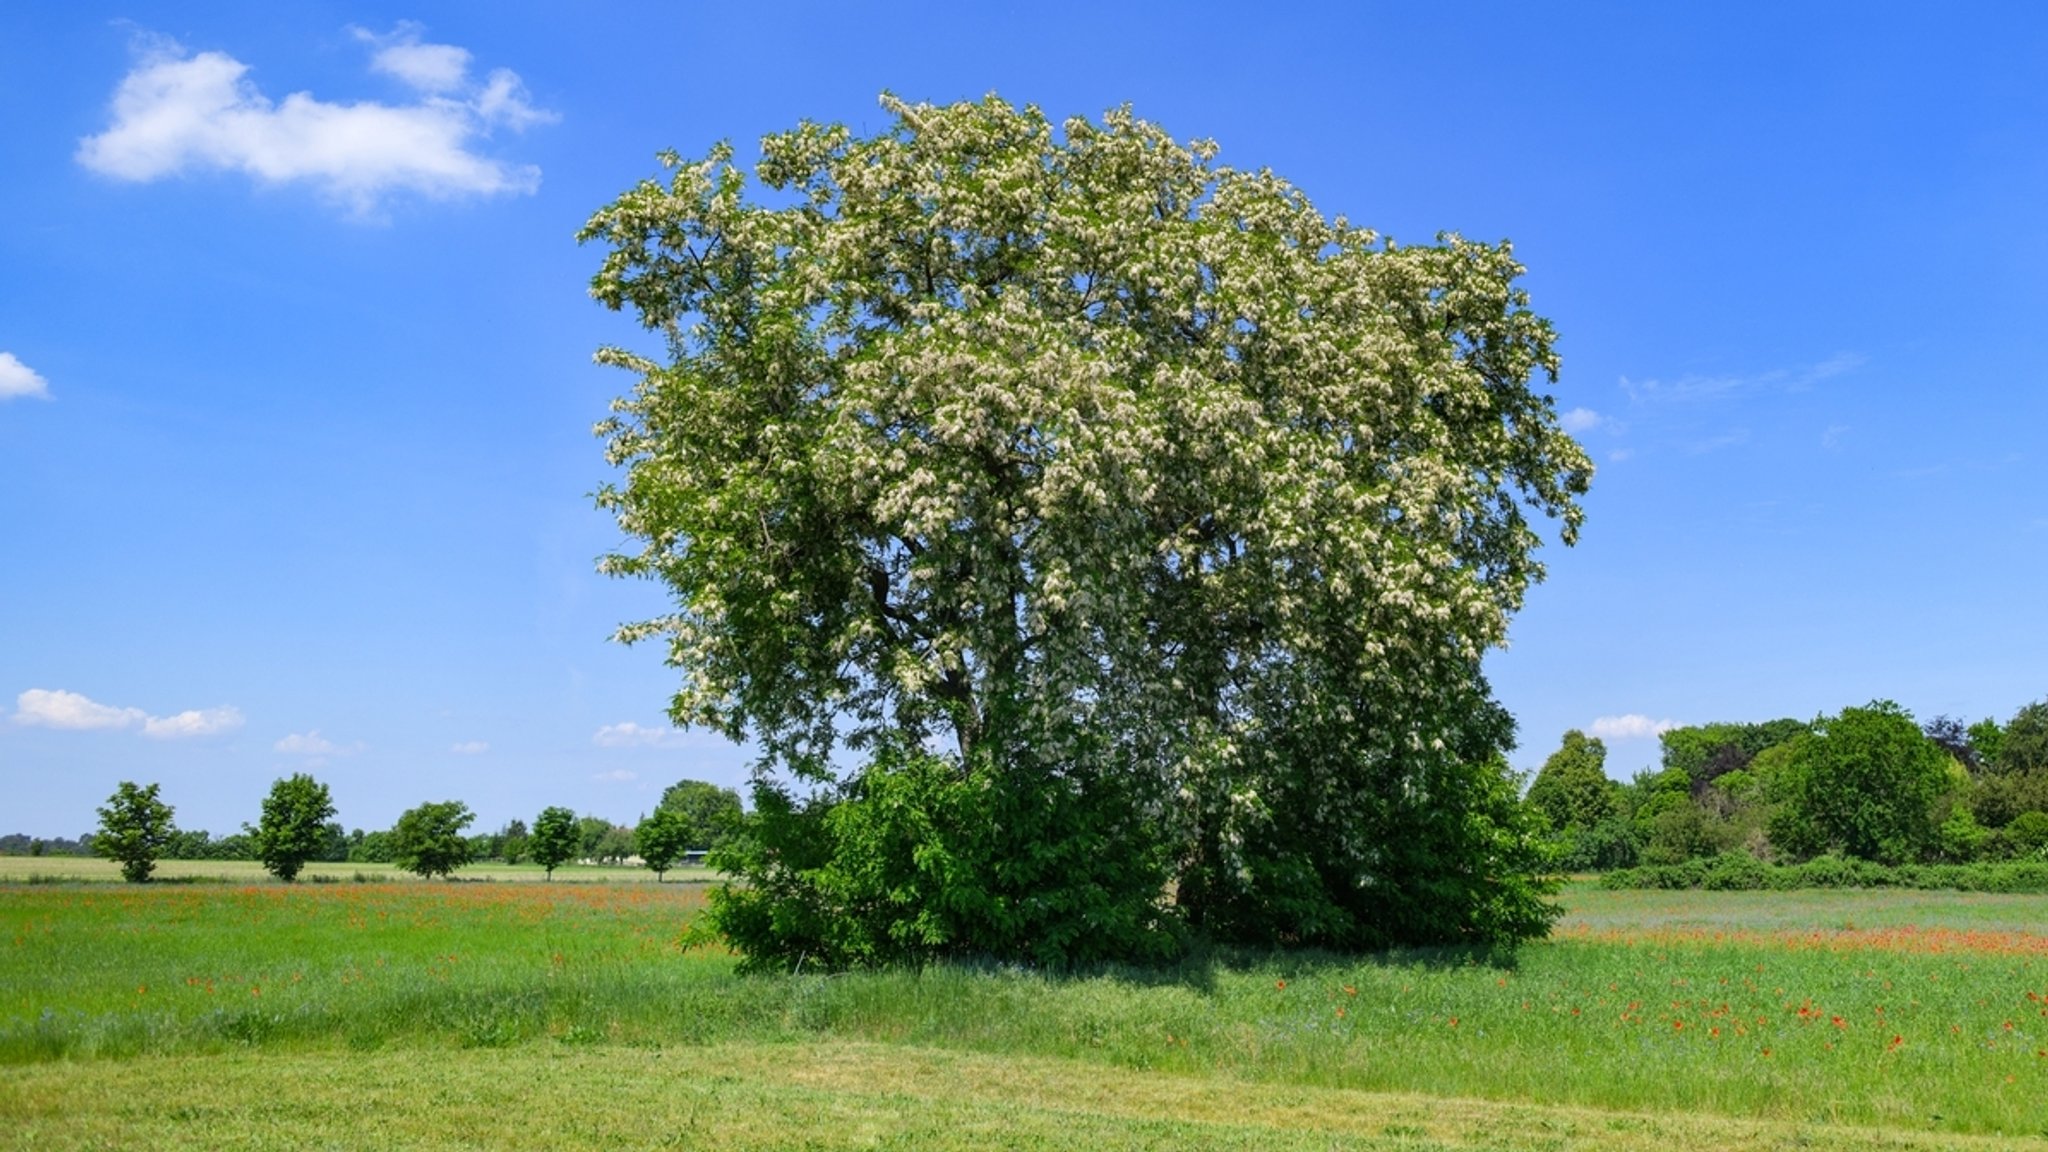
(1737, 871)
(918, 860)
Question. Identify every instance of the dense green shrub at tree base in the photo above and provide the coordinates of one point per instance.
(916, 861)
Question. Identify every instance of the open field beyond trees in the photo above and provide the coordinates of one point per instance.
(492, 1015)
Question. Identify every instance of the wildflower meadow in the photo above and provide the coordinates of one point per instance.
(225, 1015)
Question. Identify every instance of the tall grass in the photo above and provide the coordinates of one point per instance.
(1917, 1026)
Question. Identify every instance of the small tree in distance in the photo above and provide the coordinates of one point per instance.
(428, 840)
(1572, 791)
(554, 839)
(661, 840)
(293, 827)
(706, 812)
(134, 827)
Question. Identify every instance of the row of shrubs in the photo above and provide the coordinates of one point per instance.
(1738, 871)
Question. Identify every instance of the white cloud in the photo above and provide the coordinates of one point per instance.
(470, 748)
(18, 379)
(616, 776)
(1633, 726)
(177, 111)
(55, 708)
(194, 722)
(631, 735)
(1581, 420)
(432, 68)
(1831, 438)
(1711, 387)
(1621, 454)
(310, 744)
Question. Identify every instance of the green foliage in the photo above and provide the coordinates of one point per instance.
(1571, 791)
(1998, 798)
(705, 813)
(371, 848)
(512, 841)
(1742, 871)
(661, 839)
(428, 841)
(1961, 839)
(293, 826)
(1679, 832)
(1182, 514)
(1865, 783)
(918, 860)
(2023, 745)
(1987, 739)
(1454, 856)
(1706, 752)
(1612, 843)
(554, 839)
(134, 828)
(2026, 838)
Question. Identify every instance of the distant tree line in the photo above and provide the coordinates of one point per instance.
(296, 828)
(1868, 783)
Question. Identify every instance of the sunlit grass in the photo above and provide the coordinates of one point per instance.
(1904, 1010)
(822, 1095)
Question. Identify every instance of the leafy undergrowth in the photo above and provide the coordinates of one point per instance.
(1778, 1008)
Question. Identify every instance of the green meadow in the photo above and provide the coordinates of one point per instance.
(479, 1015)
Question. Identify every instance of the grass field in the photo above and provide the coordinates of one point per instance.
(92, 869)
(488, 1015)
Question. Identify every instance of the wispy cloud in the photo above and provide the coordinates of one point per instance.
(194, 722)
(306, 744)
(470, 748)
(1716, 443)
(19, 380)
(1697, 387)
(616, 776)
(1581, 420)
(1832, 436)
(631, 735)
(177, 111)
(1634, 726)
(71, 711)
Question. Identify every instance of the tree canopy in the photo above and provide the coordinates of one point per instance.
(135, 827)
(554, 840)
(293, 826)
(428, 840)
(1112, 500)
(704, 812)
(1572, 791)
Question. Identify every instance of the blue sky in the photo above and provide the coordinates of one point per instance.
(295, 379)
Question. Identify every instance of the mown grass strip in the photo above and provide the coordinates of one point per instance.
(821, 1095)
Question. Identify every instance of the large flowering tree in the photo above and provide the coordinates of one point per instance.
(1139, 528)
